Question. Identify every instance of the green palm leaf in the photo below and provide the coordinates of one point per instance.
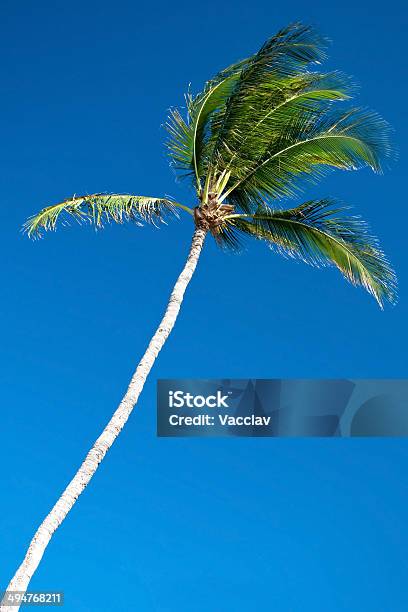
(277, 105)
(314, 233)
(210, 114)
(308, 146)
(187, 140)
(101, 208)
(268, 121)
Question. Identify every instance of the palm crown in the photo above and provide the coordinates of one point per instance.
(252, 136)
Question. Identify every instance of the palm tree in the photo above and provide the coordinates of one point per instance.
(252, 137)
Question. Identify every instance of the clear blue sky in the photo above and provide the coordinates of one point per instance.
(186, 524)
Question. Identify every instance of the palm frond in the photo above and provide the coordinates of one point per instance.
(273, 75)
(187, 138)
(270, 121)
(307, 147)
(277, 103)
(103, 208)
(193, 142)
(315, 233)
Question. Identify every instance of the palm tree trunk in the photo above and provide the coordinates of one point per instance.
(89, 466)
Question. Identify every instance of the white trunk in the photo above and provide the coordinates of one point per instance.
(89, 466)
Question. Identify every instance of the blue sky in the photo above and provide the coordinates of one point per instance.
(186, 524)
